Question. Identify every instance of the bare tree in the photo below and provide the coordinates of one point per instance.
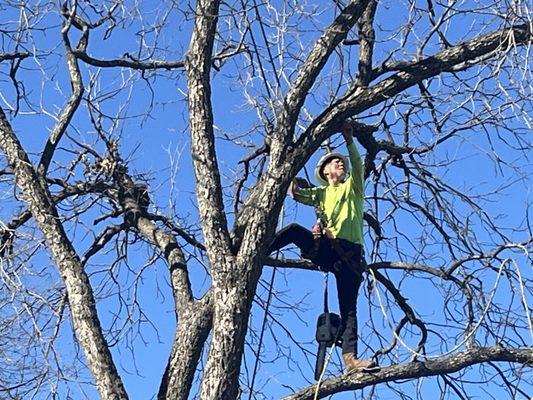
(433, 90)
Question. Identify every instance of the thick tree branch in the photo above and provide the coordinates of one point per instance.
(128, 61)
(208, 185)
(416, 370)
(408, 267)
(291, 263)
(136, 216)
(193, 319)
(231, 301)
(14, 56)
(366, 43)
(192, 332)
(410, 74)
(310, 70)
(81, 298)
(70, 108)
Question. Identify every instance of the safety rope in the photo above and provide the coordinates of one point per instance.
(318, 383)
(523, 293)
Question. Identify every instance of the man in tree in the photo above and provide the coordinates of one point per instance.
(335, 244)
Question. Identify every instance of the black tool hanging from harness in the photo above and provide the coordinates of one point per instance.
(328, 330)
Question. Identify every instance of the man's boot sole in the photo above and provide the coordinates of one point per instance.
(370, 369)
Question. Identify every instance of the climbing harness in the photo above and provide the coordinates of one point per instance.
(347, 256)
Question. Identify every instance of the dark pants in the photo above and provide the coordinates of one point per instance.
(327, 257)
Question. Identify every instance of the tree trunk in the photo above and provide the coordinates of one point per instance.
(191, 335)
(80, 295)
(232, 310)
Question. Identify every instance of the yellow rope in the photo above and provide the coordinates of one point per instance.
(315, 397)
(523, 294)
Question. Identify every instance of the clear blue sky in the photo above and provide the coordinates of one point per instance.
(150, 143)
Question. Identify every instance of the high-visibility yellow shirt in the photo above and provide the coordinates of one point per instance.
(341, 206)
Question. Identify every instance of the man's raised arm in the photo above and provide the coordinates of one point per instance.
(355, 157)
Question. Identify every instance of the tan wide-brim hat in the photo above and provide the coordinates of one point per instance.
(319, 173)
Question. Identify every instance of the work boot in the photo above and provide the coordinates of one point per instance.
(354, 364)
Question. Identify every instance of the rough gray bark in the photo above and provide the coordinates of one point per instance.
(222, 370)
(309, 71)
(194, 326)
(193, 318)
(366, 43)
(208, 187)
(441, 366)
(410, 73)
(70, 108)
(80, 296)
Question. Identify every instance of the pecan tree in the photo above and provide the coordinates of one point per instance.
(433, 90)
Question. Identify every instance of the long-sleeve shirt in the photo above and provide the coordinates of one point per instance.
(341, 205)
